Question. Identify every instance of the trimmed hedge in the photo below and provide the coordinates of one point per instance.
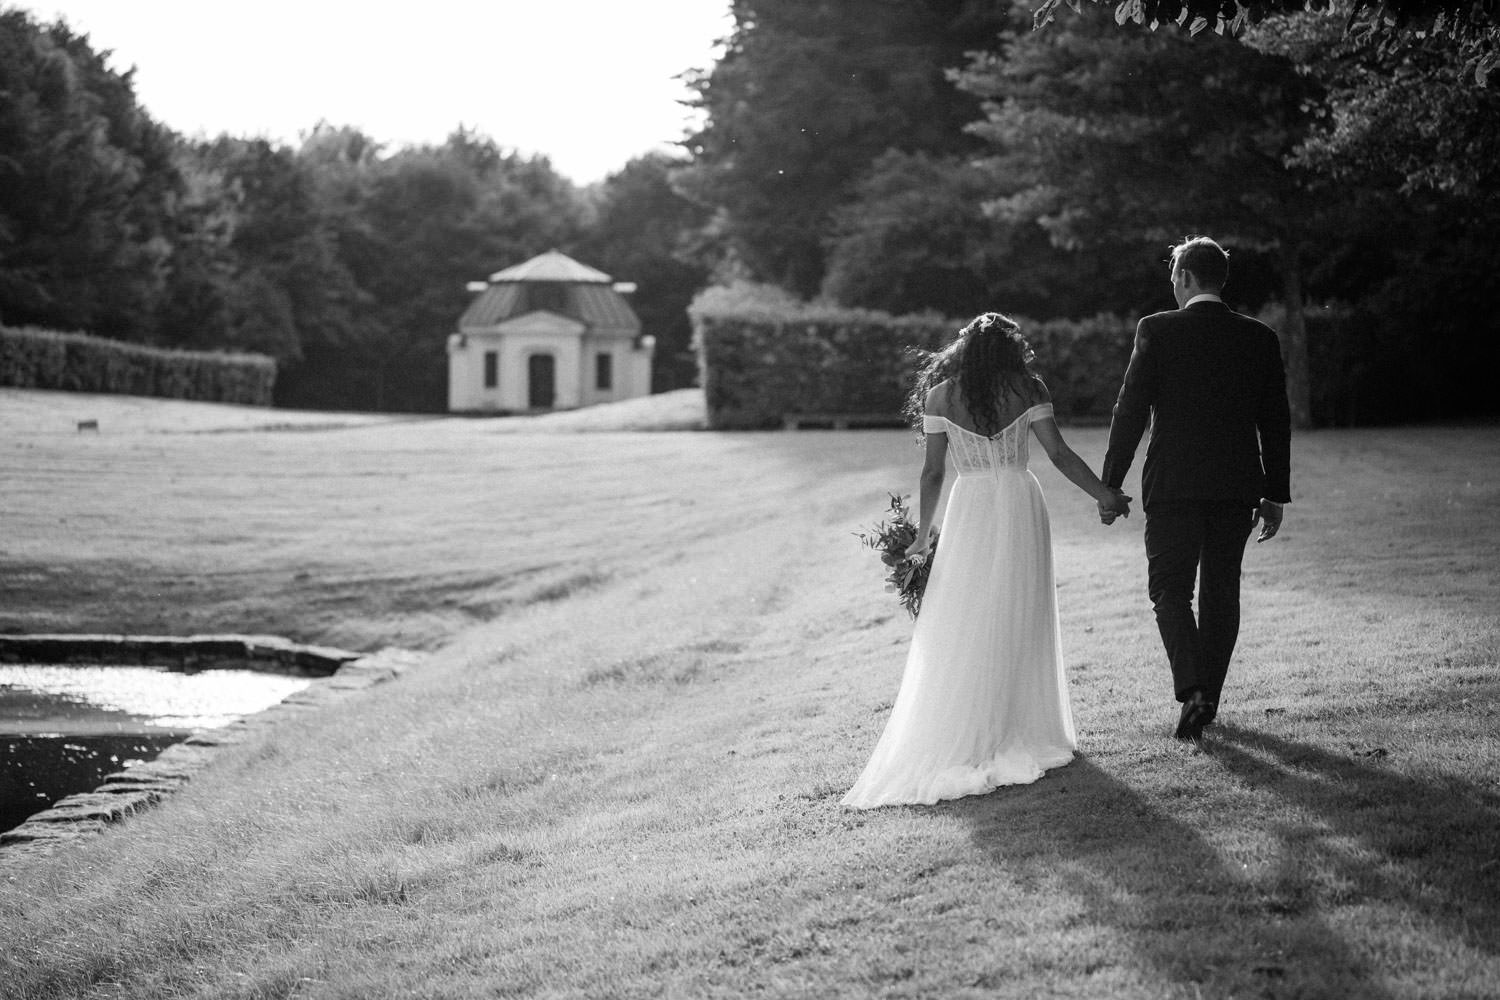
(1082, 362)
(44, 359)
(763, 355)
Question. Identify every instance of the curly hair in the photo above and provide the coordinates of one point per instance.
(988, 358)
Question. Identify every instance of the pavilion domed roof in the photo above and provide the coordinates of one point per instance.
(556, 283)
(552, 266)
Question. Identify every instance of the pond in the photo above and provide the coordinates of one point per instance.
(63, 728)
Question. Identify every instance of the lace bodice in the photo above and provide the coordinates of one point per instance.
(975, 454)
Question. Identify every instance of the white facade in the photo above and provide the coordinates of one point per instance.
(509, 358)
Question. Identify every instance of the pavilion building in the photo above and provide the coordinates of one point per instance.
(548, 334)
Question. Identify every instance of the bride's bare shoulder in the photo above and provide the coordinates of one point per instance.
(940, 398)
(1035, 391)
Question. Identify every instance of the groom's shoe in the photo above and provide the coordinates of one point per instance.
(1197, 712)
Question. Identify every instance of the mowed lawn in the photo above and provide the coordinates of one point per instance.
(656, 661)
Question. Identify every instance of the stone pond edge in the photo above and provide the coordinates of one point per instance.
(334, 674)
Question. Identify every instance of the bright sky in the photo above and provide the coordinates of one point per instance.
(587, 83)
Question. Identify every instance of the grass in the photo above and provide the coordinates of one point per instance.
(657, 661)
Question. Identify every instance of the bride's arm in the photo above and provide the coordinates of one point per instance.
(934, 470)
(1076, 469)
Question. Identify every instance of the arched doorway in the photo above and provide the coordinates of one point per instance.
(541, 380)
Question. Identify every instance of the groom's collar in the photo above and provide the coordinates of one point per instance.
(1203, 297)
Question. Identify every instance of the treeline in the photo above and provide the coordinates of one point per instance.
(343, 261)
(906, 156)
(944, 155)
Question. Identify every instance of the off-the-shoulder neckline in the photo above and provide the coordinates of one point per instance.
(1019, 418)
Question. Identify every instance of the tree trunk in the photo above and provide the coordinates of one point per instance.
(1294, 340)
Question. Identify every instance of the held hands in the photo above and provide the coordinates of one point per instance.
(1269, 515)
(1117, 504)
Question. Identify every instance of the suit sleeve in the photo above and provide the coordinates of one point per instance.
(1132, 410)
(1273, 421)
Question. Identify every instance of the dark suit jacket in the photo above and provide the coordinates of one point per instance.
(1212, 385)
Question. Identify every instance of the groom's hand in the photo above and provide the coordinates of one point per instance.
(1268, 514)
(1117, 505)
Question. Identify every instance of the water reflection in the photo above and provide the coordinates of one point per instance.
(151, 697)
(36, 771)
(64, 728)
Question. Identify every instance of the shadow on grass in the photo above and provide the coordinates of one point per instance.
(1123, 865)
(1430, 845)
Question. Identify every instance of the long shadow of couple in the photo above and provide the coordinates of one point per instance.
(1346, 877)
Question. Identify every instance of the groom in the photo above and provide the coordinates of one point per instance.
(1212, 385)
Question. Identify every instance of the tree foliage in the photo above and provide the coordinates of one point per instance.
(910, 239)
(915, 237)
(1106, 134)
(1468, 30)
(644, 231)
(1403, 116)
(1109, 136)
(86, 179)
(432, 219)
(804, 99)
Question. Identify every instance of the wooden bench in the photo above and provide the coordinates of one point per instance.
(840, 421)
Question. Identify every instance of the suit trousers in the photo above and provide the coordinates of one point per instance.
(1203, 539)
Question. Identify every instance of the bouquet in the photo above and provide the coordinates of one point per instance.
(905, 577)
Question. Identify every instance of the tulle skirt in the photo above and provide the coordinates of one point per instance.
(983, 700)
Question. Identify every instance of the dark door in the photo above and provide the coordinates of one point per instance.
(541, 373)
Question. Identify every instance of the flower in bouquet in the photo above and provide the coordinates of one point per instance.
(904, 577)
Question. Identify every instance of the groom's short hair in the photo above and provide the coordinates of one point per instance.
(1206, 259)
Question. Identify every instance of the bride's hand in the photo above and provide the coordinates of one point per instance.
(921, 547)
(1116, 505)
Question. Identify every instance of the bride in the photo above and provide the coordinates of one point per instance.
(983, 701)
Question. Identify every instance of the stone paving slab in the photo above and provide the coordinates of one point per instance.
(75, 818)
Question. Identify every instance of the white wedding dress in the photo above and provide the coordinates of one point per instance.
(983, 700)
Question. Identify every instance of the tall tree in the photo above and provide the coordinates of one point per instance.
(1409, 82)
(642, 231)
(200, 273)
(435, 218)
(805, 97)
(1466, 30)
(1396, 115)
(917, 237)
(85, 181)
(913, 238)
(290, 292)
(1127, 135)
